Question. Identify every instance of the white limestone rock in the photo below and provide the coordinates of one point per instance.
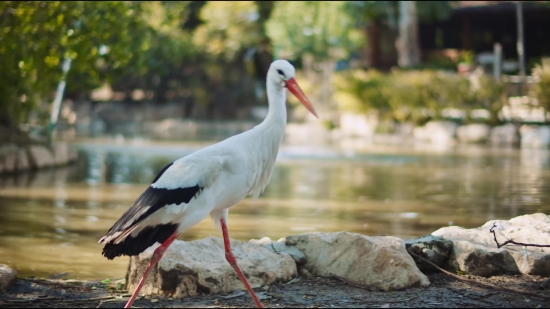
(504, 135)
(376, 262)
(22, 160)
(475, 251)
(280, 247)
(473, 133)
(8, 277)
(60, 153)
(40, 156)
(190, 268)
(534, 136)
(436, 132)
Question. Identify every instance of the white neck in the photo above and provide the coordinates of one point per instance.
(276, 96)
(266, 138)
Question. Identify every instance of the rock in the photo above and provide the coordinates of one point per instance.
(190, 268)
(73, 154)
(40, 156)
(8, 158)
(60, 153)
(433, 248)
(504, 135)
(404, 129)
(8, 276)
(280, 247)
(475, 251)
(362, 125)
(97, 126)
(375, 262)
(10, 161)
(436, 132)
(304, 133)
(473, 133)
(534, 136)
(22, 160)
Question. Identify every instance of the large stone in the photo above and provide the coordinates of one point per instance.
(190, 268)
(10, 161)
(22, 160)
(436, 132)
(40, 156)
(473, 133)
(8, 158)
(433, 248)
(504, 135)
(73, 154)
(280, 247)
(534, 136)
(8, 276)
(61, 153)
(362, 125)
(475, 251)
(375, 262)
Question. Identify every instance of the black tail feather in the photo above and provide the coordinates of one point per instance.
(136, 245)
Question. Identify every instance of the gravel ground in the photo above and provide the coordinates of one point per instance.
(310, 292)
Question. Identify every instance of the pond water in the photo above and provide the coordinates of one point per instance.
(51, 220)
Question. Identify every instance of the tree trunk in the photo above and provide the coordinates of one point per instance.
(466, 36)
(264, 51)
(373, 39)
(407, 44)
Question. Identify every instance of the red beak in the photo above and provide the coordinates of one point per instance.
(297, 91)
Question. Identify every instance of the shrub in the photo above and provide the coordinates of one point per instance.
(417, 95)
(541, 90)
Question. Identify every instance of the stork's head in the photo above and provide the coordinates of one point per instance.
(282, 73)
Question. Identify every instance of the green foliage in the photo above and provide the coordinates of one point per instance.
(491, 95)
(428, 11)
(196, 48)
(36, 36)
(327, 31)
(158, 48)
(229, 26)
(359, 91)
(542, 87)
(467, 57)
(415, 95)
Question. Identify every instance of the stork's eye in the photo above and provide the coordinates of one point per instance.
(281, 72)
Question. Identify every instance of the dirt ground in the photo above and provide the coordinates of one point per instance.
(312, 292)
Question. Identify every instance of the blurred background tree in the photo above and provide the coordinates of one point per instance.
(36, 37)
(213, 56)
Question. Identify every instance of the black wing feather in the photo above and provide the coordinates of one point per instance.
(154, 199)
(136, 245)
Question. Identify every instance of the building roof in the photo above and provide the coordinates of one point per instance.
(498, 6)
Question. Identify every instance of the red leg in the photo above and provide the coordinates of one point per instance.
(157, 255)
(233, 262)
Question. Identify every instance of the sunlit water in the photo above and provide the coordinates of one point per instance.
(50, 221)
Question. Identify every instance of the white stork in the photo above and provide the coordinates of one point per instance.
(207, 182)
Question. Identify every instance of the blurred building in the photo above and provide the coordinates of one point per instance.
(474, 26)
(477, 25)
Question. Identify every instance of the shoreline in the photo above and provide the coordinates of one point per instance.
(16, 159)
(305, 290)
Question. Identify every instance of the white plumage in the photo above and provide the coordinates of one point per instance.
(207, 182)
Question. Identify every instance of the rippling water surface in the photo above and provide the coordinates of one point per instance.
(51, 220)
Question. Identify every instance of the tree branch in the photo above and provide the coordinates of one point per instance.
(510, 241)
(475, 282)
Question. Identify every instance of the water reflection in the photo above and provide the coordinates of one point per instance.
(51, 220)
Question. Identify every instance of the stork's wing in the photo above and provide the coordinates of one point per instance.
(177, 183)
